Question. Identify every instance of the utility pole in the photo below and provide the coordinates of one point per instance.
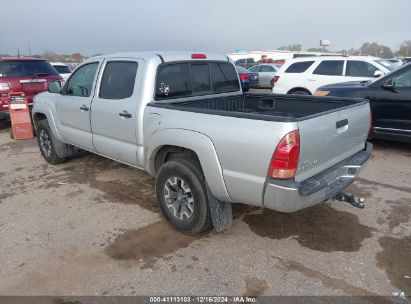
(28, 44)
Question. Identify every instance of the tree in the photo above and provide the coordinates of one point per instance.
(49, 55)
(292, 47)
(375, 49)
(77, 57)
(318, 50)
(405, 49)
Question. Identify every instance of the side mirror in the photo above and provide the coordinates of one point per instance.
(378, 73)
(54, 87)
(389, 85)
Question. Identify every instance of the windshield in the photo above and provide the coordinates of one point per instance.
(386, 64)
(26, 68)
(62, 69)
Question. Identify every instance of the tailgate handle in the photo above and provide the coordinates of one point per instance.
(341, 123)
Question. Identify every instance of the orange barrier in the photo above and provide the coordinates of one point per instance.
(20, 116)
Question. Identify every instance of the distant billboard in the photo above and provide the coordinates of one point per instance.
(325, 43)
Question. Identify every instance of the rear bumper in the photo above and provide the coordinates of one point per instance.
(290, 196)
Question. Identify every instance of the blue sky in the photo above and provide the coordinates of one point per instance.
(101, 26)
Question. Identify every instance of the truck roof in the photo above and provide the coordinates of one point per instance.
(21, 59)
(166, 56)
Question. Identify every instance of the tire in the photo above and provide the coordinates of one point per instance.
(47, 143)
(300, 92)
(189, 212)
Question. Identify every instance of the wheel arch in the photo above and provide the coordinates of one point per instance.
(299, 89)
(180, 143)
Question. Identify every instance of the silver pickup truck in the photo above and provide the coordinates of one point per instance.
(184, 118)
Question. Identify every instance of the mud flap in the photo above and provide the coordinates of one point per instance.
(221, 212)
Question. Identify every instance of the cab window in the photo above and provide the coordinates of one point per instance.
(118, 80)
(81, 82)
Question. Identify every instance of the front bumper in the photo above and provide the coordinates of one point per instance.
(290, 196)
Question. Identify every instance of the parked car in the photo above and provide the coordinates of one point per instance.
(266, 73)
(248, 79)
(62, 69)
(390, 100)
(28, 75)
(396, 62)
(406, 60)
(246, 62)
(304, 75)
(184, 118)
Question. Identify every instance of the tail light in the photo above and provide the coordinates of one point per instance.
(284, 162)
(243, 76)
(274, 80)
(4, 86)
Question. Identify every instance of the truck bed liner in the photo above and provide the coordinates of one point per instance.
(265, 106)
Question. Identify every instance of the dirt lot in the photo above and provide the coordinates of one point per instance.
(92, 227)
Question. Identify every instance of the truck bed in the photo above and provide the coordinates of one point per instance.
(269, 107)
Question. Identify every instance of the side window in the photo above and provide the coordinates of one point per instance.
(330, 68)
(200, 77)
(255, 69)
(250, 60)
(267, 68)
(224, 78)
(81, 82)
(240, 61)
(173, 81)
(118, 80)
(403, 80)
(299, 67)
(357, 68)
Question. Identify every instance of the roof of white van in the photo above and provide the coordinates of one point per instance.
(308, 58)
(166, 56)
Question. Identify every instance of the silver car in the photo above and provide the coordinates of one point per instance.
(266, 73)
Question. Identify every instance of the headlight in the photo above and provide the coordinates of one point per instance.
(321, 93)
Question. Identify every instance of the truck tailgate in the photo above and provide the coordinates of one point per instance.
(330, 138)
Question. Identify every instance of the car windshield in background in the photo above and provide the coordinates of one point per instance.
(386, 64)
(26, 68)
(62, 69)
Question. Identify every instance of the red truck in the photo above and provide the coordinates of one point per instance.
(24, 74)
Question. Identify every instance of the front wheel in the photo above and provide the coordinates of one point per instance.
(182, 196)
(47, 143)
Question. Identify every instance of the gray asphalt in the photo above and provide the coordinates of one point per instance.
(92, 227)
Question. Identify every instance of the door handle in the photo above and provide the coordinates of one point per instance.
(341, 123)
(84, 108)
(125, 114)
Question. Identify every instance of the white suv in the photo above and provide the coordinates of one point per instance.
(305, 75)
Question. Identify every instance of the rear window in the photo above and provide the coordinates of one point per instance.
(224, 78)
(62, 69)
(330, 67)
(194, 79)
(173, 81)
(299, 67)
(26, 68)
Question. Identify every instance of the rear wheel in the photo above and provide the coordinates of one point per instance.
(47, 143)
(182, 196)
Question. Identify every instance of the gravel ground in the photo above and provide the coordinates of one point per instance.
(92, 227)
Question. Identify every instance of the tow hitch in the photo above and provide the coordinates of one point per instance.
(353, 201)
